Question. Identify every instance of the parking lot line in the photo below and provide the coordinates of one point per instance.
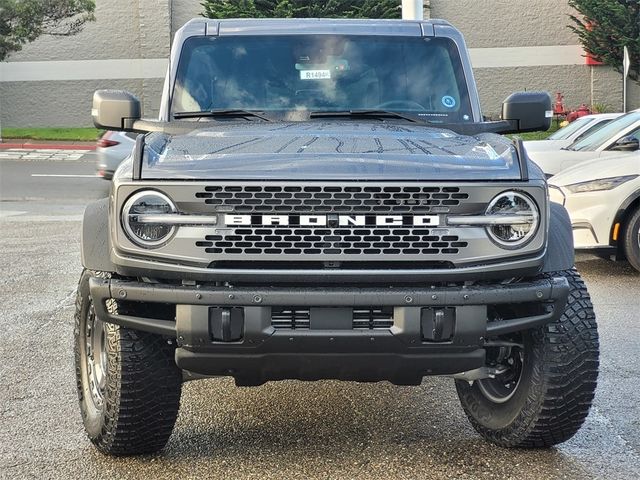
(62, 175)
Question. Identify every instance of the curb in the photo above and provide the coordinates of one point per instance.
(46, 146)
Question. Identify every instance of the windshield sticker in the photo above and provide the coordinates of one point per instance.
(315, 74)
(448, 101)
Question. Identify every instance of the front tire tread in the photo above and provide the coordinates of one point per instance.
(563, 379)
(143, 388)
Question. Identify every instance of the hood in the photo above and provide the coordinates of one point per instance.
(362, 150)
(604, 167)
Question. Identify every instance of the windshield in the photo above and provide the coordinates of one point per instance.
(570, 129)
(606, 134)
(279, 73)
(592, 128)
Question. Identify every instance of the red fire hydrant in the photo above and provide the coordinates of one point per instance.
(558, 106)
(580, 112)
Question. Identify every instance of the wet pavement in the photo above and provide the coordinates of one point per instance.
(280, 430)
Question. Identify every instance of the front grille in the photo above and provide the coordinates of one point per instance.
(292, 318)
(372, 318)
(332, 241)
(327, 199)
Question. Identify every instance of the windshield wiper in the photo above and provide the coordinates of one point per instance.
(367, 113)
(229, 113)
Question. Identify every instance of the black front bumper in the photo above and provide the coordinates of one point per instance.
(257, 352)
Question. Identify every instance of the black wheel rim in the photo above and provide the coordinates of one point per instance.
(96, 356)
(504, 385)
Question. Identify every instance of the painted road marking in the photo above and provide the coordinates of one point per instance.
(31, 155)
(41, 218)
(71, 175)
(51, 151)
(11, 213)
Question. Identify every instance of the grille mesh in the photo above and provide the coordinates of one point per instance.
(339, 242)
(332, 241)
(342, 199)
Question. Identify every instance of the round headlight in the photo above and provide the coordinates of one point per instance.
(142, 218)
(514, 219)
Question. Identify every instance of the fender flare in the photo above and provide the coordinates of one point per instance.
(623, 214)
(95, 247)
(560, 254)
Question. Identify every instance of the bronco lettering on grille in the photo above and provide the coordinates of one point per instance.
(334, 220)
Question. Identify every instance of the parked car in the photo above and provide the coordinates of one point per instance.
(603, 200)
(113, 148)
(617, 138)
(573, 132)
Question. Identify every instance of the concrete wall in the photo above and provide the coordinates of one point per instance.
(515, 45)
(494, 24)
(502, 23)
(183, 11)
(578, 83)
(633, 98)
(66, 103)
(124, 29)
(496, 84)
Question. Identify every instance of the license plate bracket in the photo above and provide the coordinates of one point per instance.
(330, 318)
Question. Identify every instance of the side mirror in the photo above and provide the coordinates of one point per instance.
(528, 111)
(626, 144)
(115, 109)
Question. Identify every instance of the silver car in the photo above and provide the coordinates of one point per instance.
(113, 148)
(617, 138)
(573, 132)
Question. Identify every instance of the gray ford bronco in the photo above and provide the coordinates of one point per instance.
(323, 199)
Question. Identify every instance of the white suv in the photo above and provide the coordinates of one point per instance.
(603, 200)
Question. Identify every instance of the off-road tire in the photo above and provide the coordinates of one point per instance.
(557, 382)
(631, 240)
(142, 384)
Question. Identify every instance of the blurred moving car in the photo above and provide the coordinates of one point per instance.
(602, 197)
(576, 130)
(113, 148)
(619, 137)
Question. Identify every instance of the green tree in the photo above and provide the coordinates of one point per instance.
(22, 21)
(302, 8)
(380, 9)
(605, 27)
(230, 9)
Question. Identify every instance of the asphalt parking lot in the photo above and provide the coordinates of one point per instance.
(280, 430)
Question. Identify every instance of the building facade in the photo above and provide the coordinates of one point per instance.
(515, 45)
